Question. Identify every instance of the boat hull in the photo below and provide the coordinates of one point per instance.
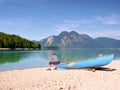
(93, 62)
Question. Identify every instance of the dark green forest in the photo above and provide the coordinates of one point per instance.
(51, 47)
(15, 41)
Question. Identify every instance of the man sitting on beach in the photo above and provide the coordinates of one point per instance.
(53, 60)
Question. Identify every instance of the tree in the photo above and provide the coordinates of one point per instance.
(14, 41)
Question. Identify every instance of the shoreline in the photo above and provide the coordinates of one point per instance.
(42, 79)
(42, 67)
(19, 48)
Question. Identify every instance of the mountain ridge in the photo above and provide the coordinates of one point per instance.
(73, 39)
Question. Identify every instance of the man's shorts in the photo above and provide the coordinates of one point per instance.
(54, 63)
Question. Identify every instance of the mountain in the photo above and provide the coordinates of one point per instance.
(76, 40)
(106, 42)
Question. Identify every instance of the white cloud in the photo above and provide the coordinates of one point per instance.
(90, 22)
(76, 23)
(112, 20)
(63, 28)
(95, 27)
(68, 25)
(94, 34)
(106, 33)
(13, 23)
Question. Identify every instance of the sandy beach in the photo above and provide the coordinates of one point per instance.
(42, 79)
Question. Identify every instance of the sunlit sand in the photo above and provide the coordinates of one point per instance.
(72, 79)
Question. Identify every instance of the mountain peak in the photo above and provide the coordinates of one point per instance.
(64, 33)
(86, 36)
(73, 32)
(74, 39)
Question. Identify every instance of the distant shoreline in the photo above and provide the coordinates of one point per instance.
(19, 48)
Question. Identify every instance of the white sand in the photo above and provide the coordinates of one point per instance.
(41, 79)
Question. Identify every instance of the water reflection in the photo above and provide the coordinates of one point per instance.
(31, 59)
(10, 60)
(75, 54)
(13, 56)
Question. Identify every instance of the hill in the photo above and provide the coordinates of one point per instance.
(75, 40)
(14, 41)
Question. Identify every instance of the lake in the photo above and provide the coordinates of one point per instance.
(10, 60)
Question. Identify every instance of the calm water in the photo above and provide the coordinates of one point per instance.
(10, 60)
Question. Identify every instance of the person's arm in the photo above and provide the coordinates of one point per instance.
(51, 59)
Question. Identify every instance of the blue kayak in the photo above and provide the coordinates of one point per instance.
(88, 63)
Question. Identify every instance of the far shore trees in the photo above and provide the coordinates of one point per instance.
(15, 41)
(51, 47)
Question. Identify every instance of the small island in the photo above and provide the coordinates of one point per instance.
(50, 47)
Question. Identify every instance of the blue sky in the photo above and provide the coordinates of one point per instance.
(37, 19)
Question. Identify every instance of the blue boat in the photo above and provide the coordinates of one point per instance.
(88, 63)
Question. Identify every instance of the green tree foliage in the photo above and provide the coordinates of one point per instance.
(51, 47)
(14, 41)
